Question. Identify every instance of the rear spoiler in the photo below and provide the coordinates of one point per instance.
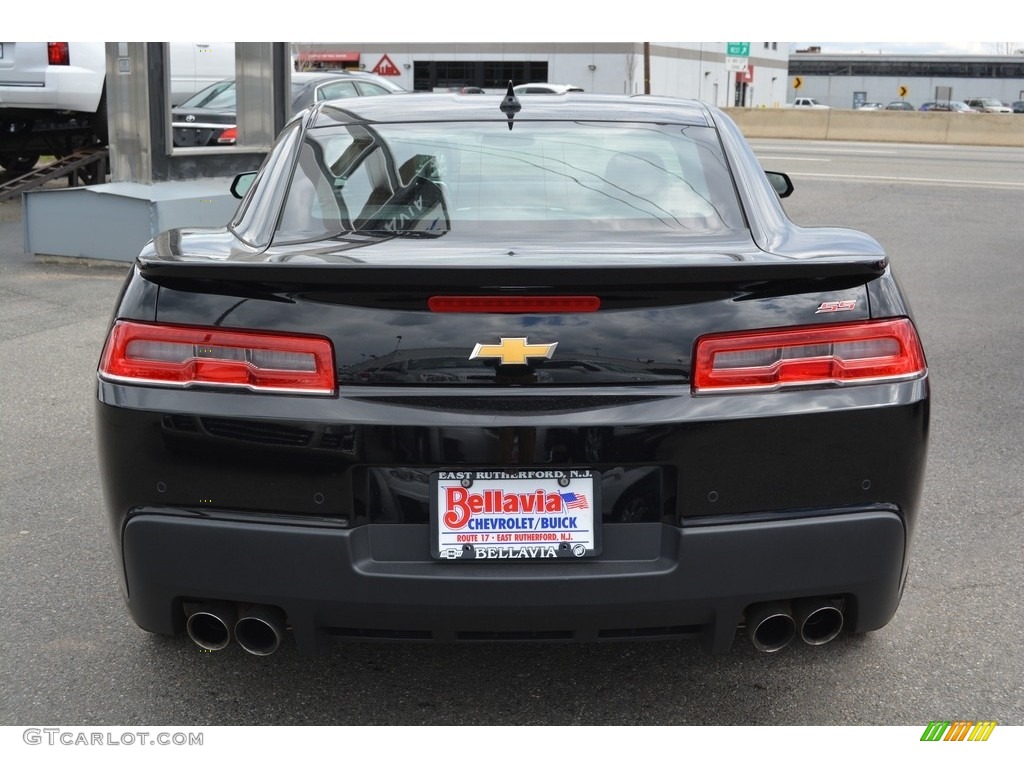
(464, 275)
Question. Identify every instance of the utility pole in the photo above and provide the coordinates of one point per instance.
(647, 69)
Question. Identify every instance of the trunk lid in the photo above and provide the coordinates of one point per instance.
(471, 316)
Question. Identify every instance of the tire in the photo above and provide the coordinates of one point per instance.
(18, 164)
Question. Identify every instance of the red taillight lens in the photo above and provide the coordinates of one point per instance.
(188, 356)
(228, 136)
(514, 304)
(58, 53)
(855, 353)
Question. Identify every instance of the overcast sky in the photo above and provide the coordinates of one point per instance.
(534, 20)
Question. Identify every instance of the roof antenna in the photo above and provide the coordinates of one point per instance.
(510, 105)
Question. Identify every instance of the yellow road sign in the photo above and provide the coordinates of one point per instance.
(797, 82)
(903, 91)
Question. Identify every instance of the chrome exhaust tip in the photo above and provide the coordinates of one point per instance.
(260, 629)
(819, 620)
(209, 624)
(770, 626)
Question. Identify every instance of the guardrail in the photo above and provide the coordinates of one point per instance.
(978, 129)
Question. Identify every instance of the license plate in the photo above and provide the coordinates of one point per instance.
(527, 514)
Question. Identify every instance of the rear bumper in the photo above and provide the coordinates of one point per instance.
(71, 92)
(377, 582)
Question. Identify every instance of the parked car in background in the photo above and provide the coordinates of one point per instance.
(805, 102)
(53, 96)
(443, 334)
(987, 104)
(555, 88)
(901, 106)
(872, 106)
(950, 106)
(208, 119)
(945, 106)
(1017, 107)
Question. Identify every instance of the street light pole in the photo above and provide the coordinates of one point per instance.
(647, 69)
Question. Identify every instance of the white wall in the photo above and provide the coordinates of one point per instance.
(677, 68)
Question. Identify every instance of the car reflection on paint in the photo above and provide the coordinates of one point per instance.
(549, 89)
(420, 366)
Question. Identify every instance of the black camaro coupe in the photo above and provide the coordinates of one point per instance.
(471, 368)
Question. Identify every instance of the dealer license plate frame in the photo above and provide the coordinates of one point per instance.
(523, 534)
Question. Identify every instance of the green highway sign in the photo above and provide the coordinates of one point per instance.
(737, 49)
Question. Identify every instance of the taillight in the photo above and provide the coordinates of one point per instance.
(185, 356)
(821, 355)
(514, 304)
(228, 136)
(58, 53)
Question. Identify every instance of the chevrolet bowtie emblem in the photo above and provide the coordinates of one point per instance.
(513, 351)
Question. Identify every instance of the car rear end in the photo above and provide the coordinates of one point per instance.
(476, 412)
(51, 77)
(207, 118)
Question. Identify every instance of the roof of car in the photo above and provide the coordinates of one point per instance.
(309, 75)
(406, 107)
(320, 75)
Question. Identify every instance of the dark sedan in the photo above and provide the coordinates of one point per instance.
(474, 370)
(208, 118)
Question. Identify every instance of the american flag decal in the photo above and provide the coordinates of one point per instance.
(574, 501)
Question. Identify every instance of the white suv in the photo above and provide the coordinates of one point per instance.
(988, 105)
(52, 76)
(61, 85)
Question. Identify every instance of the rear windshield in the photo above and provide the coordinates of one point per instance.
(428, 179)
(220, 96)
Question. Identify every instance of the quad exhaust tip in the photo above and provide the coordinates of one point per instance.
(209, 624)
(772, 626)
(819, 621)
(259, 629)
